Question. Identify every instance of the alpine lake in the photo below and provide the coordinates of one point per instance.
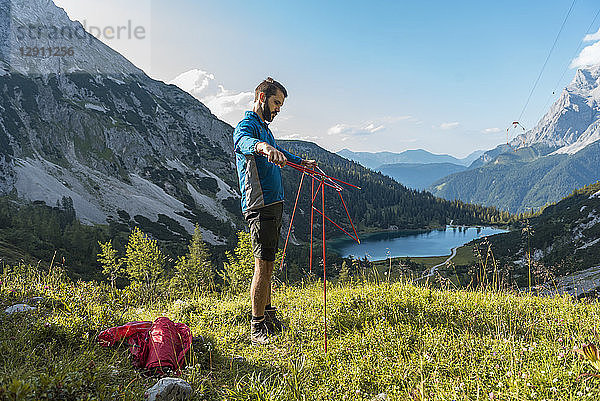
(410, 243)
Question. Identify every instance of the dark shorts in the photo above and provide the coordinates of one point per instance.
(265, 226)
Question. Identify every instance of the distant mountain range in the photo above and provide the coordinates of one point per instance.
(418, 175)
(416, 169)
(417, 156)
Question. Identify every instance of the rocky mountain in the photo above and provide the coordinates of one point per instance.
(81, 121)
(573, 121)
(561, 153)
(417, 156)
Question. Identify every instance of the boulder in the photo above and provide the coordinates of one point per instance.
(169, 389)
(18, 308)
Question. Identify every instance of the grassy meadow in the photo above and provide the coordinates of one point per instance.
(394, 341)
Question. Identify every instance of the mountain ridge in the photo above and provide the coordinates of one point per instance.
(374, 160)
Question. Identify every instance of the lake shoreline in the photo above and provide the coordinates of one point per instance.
(411, 243)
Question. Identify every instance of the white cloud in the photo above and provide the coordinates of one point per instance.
(447, 126)
(592, 37)
(355, 130)
(228, 105)
(296, 136)
(227, 102)
(491, 130)
(589, 55)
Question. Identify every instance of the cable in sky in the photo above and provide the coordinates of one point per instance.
(569, 61)
(546, 62)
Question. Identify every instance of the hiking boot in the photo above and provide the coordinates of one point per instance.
(272, 321)
(259, 332)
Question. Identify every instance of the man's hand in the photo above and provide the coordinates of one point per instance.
(272, 154)
(309, 163)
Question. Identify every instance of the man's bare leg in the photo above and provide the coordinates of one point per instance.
(260, 290)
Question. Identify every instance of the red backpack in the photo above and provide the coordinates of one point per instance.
(155, 346)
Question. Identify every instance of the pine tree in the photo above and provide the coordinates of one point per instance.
(344, 275)
(145, 261)
(112, 267)
(194, 271)
(239, 268)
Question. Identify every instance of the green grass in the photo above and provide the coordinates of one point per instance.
(406, 341)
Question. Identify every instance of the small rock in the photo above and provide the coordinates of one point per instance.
(169, 389)
(36, 300)
(18, 308)
(381, 397)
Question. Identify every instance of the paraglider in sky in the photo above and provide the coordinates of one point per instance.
(514, 130)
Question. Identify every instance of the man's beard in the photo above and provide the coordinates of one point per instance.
(267, 115)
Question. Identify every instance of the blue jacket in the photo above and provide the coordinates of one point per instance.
(260, 181)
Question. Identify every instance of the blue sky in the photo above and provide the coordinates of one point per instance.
(448, 77)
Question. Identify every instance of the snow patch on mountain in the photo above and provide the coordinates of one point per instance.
(588, 244)
(225, 191)
(34, 181)
(591, 135)
(208, 204)
(586, 223)
(96, 107)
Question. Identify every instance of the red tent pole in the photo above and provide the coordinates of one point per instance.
(349, 218)
(338, 226)
(321, 173)
(324, 271)
(317, 192)
(312, 213)
(291, 222)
